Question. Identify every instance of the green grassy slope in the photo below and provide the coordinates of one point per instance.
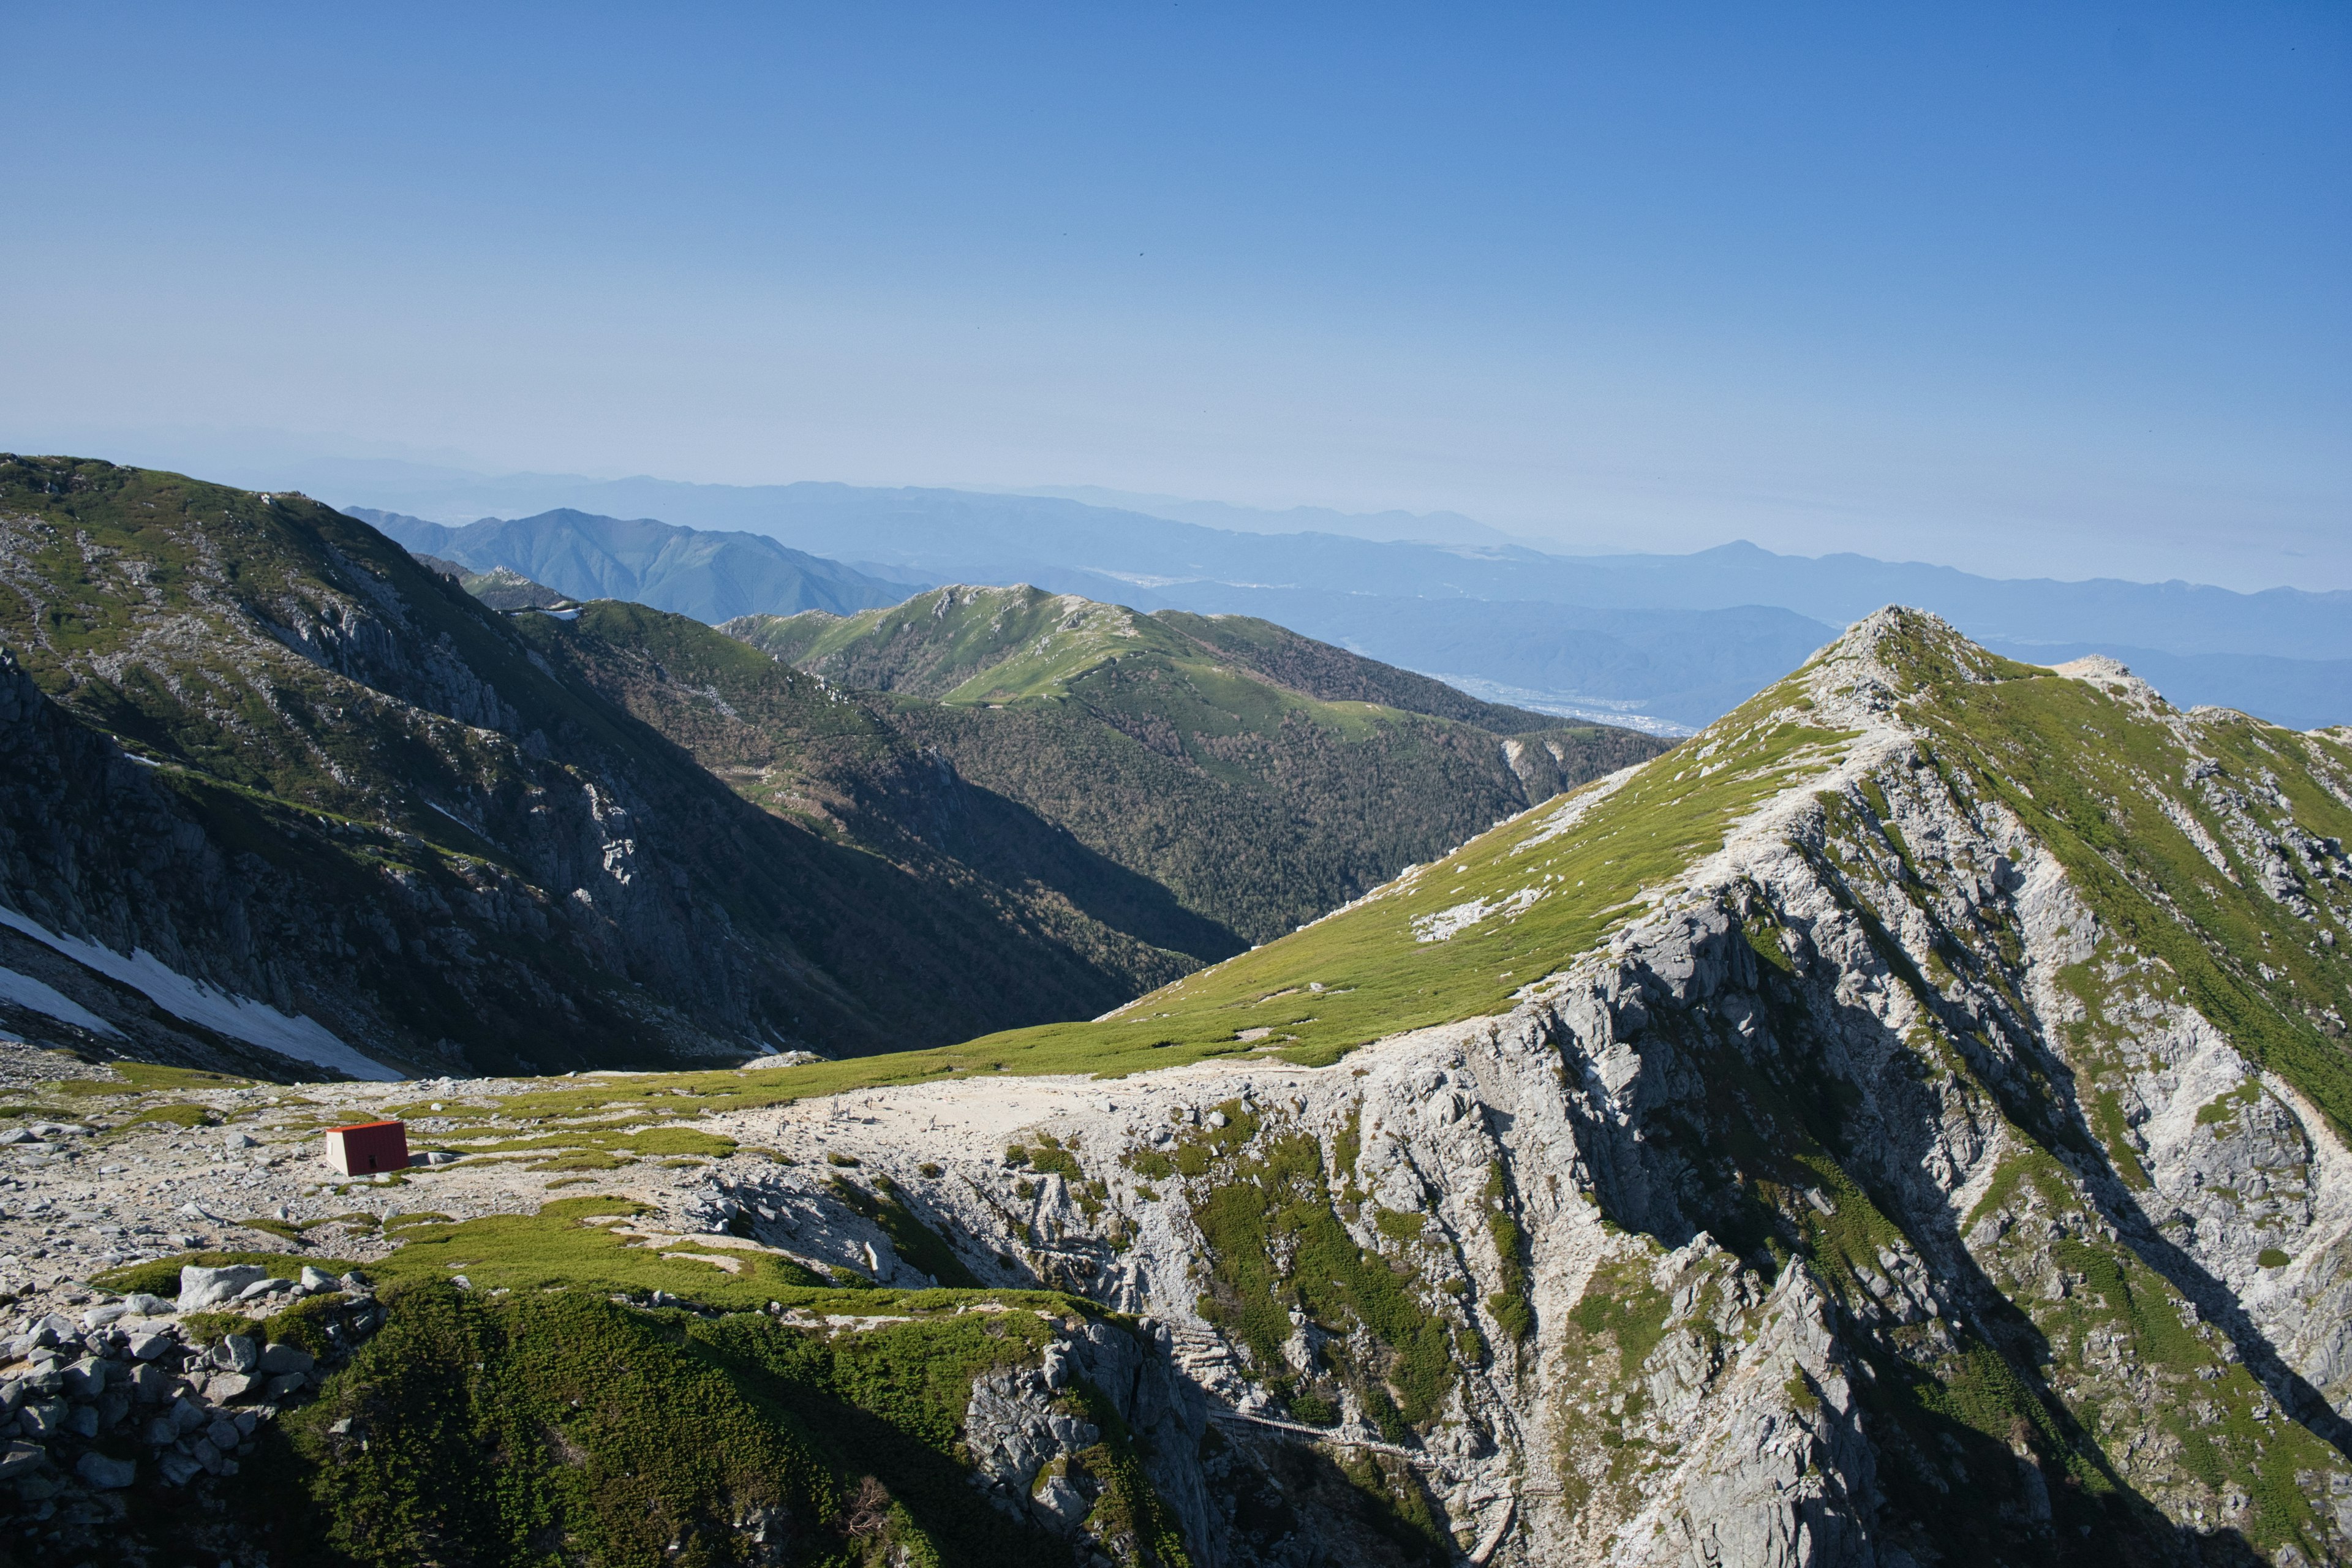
(2260, 943)
(845, 766)
(1527, 898)
(989, 644)
(962, 644)
(383, 805)
(1264, 778)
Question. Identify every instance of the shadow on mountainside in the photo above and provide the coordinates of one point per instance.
(1755, 1102)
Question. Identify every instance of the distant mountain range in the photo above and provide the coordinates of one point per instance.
(709, 575)
(1424, 527)
(1643, 638)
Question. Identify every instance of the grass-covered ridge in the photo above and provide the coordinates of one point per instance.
(990, 645)
(362, 772)
(1456, 939)
(2210, 841)
(1261, 776)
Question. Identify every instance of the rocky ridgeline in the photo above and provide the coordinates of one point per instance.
(1873, 1195)
(1873, 1192)
(128, 1392)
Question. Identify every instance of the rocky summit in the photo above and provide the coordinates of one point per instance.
(1905, 1124)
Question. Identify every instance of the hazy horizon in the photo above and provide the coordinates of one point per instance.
(2028, 292)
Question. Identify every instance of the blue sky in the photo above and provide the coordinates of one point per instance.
(2031, 289)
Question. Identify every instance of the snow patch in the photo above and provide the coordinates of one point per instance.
(29, 994)
(223, 1012)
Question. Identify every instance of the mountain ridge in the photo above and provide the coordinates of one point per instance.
(421, 836)
(711, 576)
(1906, 1123)
(1395, 601)
(1125, 728)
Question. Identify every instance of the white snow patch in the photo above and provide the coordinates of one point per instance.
(30, 994)
(240, 1018)
(1452, 922)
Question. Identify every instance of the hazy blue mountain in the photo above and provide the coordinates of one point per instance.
(708, 575)
(968, 536)
(2307, 693)
(1684, 667)
(1431, 607)
(1427, 527)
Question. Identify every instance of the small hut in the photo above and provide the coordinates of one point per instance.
(366, 1148)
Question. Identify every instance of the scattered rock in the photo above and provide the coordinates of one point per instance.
(201, 1288)
(101, 1473)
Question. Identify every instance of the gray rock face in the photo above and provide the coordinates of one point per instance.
(1030, 1442)
(201, 1288)
(1873, 1200)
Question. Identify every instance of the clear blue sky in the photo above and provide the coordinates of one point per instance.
(2031, 289)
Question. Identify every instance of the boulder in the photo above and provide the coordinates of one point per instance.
(149, 1347)
(86, 1379)
(282, 1357)
(1062, 1503)
(142, 1305)
(177, 1470)
(237, 1353)
(201, 1288)
(21, 1458)
(316, 1278)
(223, 1386)
(105, 1475)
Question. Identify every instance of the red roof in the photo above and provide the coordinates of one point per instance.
(362, 1126)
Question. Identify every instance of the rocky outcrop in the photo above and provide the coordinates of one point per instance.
(98, 1410)
(1873, 1196)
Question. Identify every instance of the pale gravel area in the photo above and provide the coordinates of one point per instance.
(73, 1205)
